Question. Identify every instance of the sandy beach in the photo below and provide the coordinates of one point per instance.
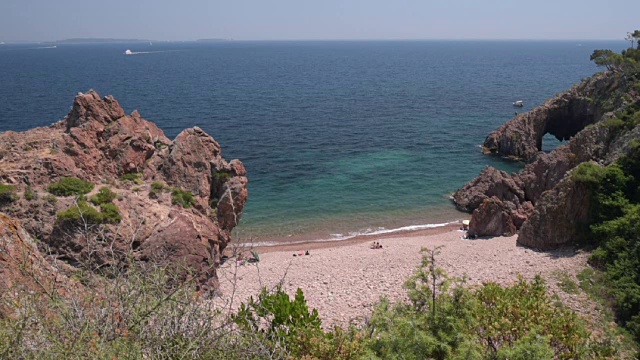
(344, 279)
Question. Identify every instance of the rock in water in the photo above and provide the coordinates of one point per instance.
(542, 201)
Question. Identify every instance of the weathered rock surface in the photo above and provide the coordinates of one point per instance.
(558, 218)
(542, 201)
(562, 116)
(490, 182)
(492, 217)
(23, 269)
(99, 143)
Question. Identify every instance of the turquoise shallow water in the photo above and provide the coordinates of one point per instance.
(338, 137)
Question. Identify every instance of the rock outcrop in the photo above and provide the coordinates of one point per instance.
(99, 143)
(542, 201)
(562, 116)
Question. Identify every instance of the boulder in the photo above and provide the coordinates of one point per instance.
(560, 217)
(492, 218)
(491, 182)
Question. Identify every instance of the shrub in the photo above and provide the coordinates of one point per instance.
(134, 315)
(30, 195)
(110, 213)
(447, 320)
(183, 198)
(7, 193)
(51, 199)
(104, 196)
(291, 330)
(68, 186)
(135, 178)
(157, 187)
(80, 213)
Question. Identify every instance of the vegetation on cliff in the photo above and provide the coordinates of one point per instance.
(615, 230)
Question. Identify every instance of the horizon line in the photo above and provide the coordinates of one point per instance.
(302, 39)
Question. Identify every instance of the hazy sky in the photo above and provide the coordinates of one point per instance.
(320, 19)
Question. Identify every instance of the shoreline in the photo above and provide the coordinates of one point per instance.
(286, 244)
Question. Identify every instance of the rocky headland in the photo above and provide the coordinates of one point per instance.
(176, 201)
(542, 203)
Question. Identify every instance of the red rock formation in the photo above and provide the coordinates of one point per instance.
(23, 269)
(562, 116)
(98, 142)
(492, 217)
(541, 200)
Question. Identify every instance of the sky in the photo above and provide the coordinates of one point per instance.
(47, 20)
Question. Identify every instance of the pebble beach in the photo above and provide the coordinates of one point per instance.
(343, 280)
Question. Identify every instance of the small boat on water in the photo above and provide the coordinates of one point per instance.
(128, 52)
(518, 103)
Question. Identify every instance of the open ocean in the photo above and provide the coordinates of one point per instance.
(339, 137)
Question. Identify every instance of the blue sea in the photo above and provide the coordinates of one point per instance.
(339, 137)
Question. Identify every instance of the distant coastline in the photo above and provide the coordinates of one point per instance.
(96, 41)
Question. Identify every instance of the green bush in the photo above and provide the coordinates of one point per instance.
(68, 186)
(30, 195)
(447, 320)
(7, 193)
(183, 198)
(615, 229)
(157, 187)
(80, 213)
(104, 196)
(290, 328)
(110, 213)
(135, 178)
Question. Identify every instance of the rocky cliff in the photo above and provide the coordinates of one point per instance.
(541, 202)
(132, 157)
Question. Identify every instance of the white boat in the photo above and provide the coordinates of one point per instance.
(518, 103)
(128, 52)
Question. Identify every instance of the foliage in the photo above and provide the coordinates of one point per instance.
(566, 283)
(291, 329)
(446, 320)
(134, 315)
(615, 229)
(104, 196)
(183, 198)
(135, 178)
(607, 58)
(30, 195)
(157, 187)
(221, 176)
(68, 186)
(82, 213)
(110, 213)
(7, 193)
